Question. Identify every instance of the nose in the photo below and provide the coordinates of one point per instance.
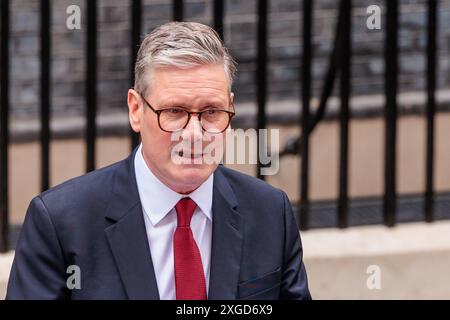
(193, 130)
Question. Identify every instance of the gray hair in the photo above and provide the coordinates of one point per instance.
(183, 45)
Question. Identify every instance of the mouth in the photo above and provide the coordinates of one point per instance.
(192, 156)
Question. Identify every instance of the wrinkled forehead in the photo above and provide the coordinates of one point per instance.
(202, 79)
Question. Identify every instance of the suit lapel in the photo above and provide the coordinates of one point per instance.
(127, 237)
(227, 236)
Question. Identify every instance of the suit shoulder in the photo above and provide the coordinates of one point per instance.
(248, 184)
(82, 189)
(86, 180)
(265, 206)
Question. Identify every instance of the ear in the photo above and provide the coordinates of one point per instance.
(231, 97)
(134, 110)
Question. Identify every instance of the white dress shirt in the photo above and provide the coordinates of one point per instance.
(158, 204)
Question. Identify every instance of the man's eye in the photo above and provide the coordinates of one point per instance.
(174, 110)
(211, 112)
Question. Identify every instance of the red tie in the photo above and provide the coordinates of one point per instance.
(189, 277)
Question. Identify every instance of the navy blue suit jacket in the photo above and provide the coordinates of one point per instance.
(96, 223)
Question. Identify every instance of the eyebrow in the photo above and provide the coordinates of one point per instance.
(214, 105)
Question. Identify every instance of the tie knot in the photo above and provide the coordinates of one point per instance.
(185, 209)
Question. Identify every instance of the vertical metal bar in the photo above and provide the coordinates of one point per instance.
(261, 77)
(177, 10)
(305, 118)
(391, 73)
(4, 131)
(136, 26)
(45, 94)
(91, 83)
(218, 17)
(345, 54)
(431, 106)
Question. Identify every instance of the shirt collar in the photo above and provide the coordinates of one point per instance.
(157, 199)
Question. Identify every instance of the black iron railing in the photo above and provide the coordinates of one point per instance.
(339, 64)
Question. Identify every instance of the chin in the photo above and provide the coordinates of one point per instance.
(191, 175)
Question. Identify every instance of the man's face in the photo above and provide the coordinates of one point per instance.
(193, 89)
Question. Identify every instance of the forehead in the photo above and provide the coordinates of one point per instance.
(195, 80)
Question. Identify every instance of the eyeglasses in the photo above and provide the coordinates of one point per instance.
(176, 118)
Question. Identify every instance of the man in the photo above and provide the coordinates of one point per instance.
(163, 224)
